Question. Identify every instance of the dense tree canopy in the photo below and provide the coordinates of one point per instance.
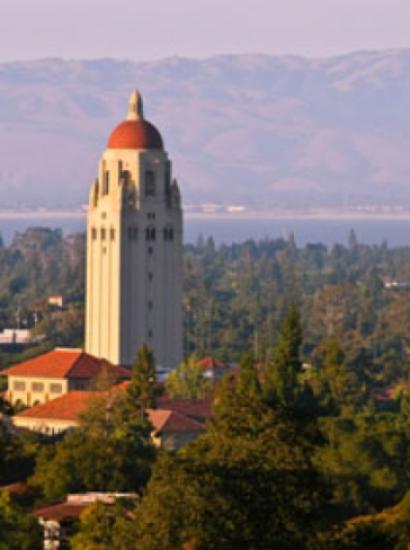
(188, 380)
(18, 531)
(309, 444)
(110, 451)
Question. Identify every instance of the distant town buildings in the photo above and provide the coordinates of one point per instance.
(134, 248)
(56, 300)
(396, 285)
(20, 336)
(212, 368)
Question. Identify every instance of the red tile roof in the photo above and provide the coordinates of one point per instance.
(74, 504)
(197, 409)
(209, 363)
(63, 363)
(389, 394)
(58, 512)
(70, 405)
(67, 407)
(172, 421)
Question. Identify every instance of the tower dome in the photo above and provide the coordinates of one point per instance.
(135, 132)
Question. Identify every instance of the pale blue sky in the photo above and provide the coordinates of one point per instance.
(153, 29)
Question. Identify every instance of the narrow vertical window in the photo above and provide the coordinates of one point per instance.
(120, 171)
(168, 233)
(133, 233)
(149, 183)
(150, 233)
(106, 187)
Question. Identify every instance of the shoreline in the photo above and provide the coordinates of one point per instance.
(251, 215)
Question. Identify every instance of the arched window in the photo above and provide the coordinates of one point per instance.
(149, 183)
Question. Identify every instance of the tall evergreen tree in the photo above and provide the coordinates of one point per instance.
(282, 375)
(141, 391)
(248, 377)
(246, 483)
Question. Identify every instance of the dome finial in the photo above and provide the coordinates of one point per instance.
(135, 109)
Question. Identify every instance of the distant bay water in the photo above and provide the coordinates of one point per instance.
(396, 232)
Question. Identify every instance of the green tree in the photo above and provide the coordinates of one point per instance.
(142, 390)
(246, 483)
(282, 375)
(18, 530)
(104, 526)
(249, 383)
(344, 376)
(188, 381)
(110, 451)
(366, 460)
(17, 452)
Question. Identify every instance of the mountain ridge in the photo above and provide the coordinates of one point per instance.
(252, 129)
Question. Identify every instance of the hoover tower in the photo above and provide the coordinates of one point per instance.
(134, 248)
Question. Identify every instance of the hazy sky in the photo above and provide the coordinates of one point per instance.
(151, 29)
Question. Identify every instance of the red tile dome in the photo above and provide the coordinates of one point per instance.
(135, 132)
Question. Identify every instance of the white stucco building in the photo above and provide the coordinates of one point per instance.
(134, 248)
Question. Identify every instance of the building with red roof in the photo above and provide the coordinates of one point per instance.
(58, 520)
(171, 429)
(212, 368)
(55, 416)
(55, 373)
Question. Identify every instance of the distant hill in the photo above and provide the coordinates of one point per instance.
(245, 129)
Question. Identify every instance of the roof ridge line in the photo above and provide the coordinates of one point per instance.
(75, 362)
(65, 349)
